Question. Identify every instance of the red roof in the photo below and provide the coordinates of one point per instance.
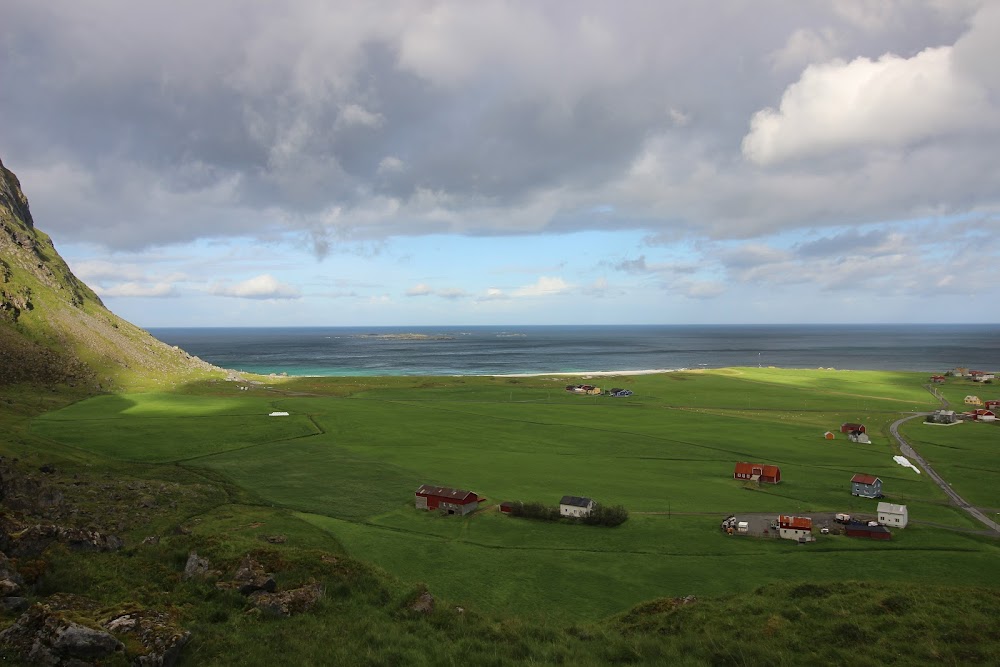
(744, 468)
(459, 496)
(795, 522)
(864, 478)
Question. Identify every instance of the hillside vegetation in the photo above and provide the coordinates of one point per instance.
(151, 512)
(55, 330)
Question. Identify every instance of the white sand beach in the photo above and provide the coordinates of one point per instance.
(590, 374)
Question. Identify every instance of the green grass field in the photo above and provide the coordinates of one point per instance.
(352, 452)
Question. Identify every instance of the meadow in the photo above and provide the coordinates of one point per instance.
(348, 458)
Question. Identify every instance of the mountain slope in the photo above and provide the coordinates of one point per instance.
(54, 329)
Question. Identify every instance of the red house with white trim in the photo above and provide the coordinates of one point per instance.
(984, 415)
(760, 472)
(798, 528)
(847, 427)
(445, 499)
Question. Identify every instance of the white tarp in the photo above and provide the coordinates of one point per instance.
(905, 462)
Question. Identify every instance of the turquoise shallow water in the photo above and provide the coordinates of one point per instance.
(347, 351)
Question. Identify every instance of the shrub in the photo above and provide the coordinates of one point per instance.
(535, 510)
(611, 515)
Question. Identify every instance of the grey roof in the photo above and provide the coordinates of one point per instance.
(575, 501)
(444, 492)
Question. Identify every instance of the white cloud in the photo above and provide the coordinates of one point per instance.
(452, 293)
(419, 290)
(494, 294)
(354, 114)
(261, 287)
(544, 286)
(390, 164)
(804, 47)
(890, 102)
(135, 289)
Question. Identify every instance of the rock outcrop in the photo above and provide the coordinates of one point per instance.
(42, 636)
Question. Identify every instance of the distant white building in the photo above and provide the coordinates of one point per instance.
(894, 516)
(278, 414)
(576, 506)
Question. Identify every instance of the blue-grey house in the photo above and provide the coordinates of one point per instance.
(866, 486)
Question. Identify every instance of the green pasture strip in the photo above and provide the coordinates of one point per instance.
(157, 404)
(576, 573)
(316, 475)
(166, 439)
(735, 388)
(967, 456)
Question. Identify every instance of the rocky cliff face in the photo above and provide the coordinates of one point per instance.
(55, 329)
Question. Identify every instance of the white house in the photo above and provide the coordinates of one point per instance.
(798, 528)
(576, 506)
(894, 516)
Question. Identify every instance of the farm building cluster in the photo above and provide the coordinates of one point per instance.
(803, 529)
(979, 410)
(854, 433)
(447, 500)
(591, 390)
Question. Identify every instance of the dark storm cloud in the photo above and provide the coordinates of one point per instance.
(147, 124)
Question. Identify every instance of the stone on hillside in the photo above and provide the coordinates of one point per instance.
(287, 603)
(13, 605)
(424, 604)
(155, 631)
(43, 637)
(196, 566)
(8, 588)
(251, 577)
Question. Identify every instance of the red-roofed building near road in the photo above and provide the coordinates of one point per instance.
(758, 472)
(798, 528)
(875, 532)
(449, 501)
(984, 415)
(866, 486)
(847, 427)
(937, 378)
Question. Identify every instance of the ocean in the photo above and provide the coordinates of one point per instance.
(495, 350)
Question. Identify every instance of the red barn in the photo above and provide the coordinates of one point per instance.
(758, 472)
(984, 415)
(506, 508)
(864, 530)
(847, 427)
(937, 378)
(448, 500)
(991, 405)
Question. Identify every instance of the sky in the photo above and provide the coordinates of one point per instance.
(241, 163)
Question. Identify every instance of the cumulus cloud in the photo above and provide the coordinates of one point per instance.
(419, 290)
(264, 286)
(544, 286)
(890, 102)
